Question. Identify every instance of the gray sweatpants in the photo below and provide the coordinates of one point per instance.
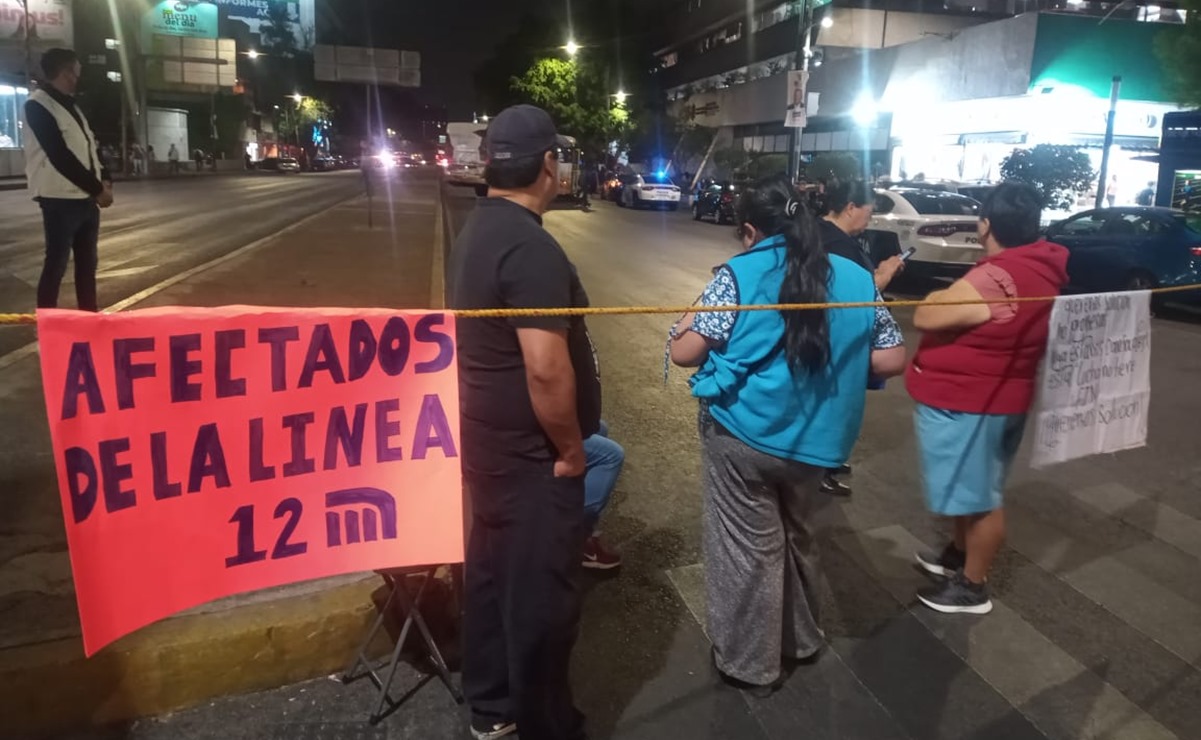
(761, 564)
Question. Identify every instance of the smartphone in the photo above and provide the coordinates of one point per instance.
(908, 253)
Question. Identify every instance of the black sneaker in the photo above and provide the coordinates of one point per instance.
(946, 564)
(957, 595)
(841, 470)
(486, 729)
(833, 486)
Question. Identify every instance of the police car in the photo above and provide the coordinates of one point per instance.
(939, 226)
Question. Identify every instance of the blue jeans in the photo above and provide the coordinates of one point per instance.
(604, 460)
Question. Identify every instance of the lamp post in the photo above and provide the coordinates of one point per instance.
(572, 48)
(804, 51)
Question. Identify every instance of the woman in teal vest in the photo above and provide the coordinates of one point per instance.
(781, 401)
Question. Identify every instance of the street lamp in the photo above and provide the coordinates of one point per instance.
(253, 54)
(572, 48)
(828, 21)
(620, 96)
(298, 98)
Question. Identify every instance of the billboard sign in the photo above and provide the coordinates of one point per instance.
(197, 20)
(49, 21)
(254, 14)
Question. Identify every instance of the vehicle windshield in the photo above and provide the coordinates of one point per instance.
(1191, 220)
(943, 204)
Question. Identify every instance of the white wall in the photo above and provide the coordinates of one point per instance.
(169, 126)
(874, 29)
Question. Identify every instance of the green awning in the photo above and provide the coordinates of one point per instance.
(1079, 50)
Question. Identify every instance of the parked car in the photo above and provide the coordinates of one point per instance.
(939, 225)
(650, 191)
(716, 201)
(280, 164)
(323, 164)
(1132, 248)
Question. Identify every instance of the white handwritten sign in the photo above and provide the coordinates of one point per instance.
(1096, 377)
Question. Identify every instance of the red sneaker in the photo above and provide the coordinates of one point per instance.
(598, 557)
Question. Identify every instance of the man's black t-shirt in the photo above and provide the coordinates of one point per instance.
(836, 241)
(503, 258)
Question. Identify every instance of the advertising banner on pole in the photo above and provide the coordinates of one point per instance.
(1096, 378)
(207, 452)
(796, 115)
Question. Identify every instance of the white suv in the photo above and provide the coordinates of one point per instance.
(940, 226)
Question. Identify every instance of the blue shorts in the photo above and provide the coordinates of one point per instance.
(966, 458)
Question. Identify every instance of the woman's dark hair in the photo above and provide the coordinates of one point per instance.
(513, 174)
(774, 207)
(1014, 211)
(843, 194)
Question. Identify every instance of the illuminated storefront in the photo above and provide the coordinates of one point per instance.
(959, 112)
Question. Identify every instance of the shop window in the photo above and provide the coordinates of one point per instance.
(12, 103)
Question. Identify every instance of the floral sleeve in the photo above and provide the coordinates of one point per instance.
(886, 334)
(721, 291)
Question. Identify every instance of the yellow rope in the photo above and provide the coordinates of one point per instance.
(505, 313)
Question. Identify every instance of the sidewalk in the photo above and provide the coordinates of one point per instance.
(260, 640)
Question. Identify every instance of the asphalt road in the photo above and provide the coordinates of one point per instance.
(157, 229)
(1097, 600)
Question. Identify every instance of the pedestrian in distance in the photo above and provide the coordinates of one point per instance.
(151, 158)
(589, 181)
(173, 159)
(604, 460)
(198, 159)
(530, 396)
(68, 180)
(848, 210)
(781, 401)
(973, 379)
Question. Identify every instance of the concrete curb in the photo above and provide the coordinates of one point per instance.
(51, 687)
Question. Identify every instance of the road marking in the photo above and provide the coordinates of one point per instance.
(994, 645)
(21, 353)
(438, 268)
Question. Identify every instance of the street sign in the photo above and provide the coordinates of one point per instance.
(366, 65)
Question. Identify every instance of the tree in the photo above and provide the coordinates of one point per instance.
(574, 95)
(1059, 173)
(1179, 51)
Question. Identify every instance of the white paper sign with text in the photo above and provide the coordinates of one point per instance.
(1096, 377)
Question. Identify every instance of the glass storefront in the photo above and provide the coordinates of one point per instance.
(12, 103)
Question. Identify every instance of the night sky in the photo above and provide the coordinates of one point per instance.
(453, 36)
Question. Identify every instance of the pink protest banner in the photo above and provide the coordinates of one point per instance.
(208, 452)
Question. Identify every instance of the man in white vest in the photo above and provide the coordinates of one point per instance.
(68, 179)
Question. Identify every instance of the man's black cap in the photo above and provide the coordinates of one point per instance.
(520, 131)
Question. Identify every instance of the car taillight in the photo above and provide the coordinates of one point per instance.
(945, 230)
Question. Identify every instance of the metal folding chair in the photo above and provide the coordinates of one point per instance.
(394, 579)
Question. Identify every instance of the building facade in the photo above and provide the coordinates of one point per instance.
(945, 94)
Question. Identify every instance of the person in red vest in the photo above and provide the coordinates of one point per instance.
(973, 379)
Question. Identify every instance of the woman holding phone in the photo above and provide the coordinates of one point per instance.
(781, 401)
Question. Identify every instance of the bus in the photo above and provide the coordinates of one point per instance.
(570, 169)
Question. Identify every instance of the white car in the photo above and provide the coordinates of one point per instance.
(939, 226)
(650, 191)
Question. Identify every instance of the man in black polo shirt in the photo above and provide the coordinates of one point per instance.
(529, 395)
